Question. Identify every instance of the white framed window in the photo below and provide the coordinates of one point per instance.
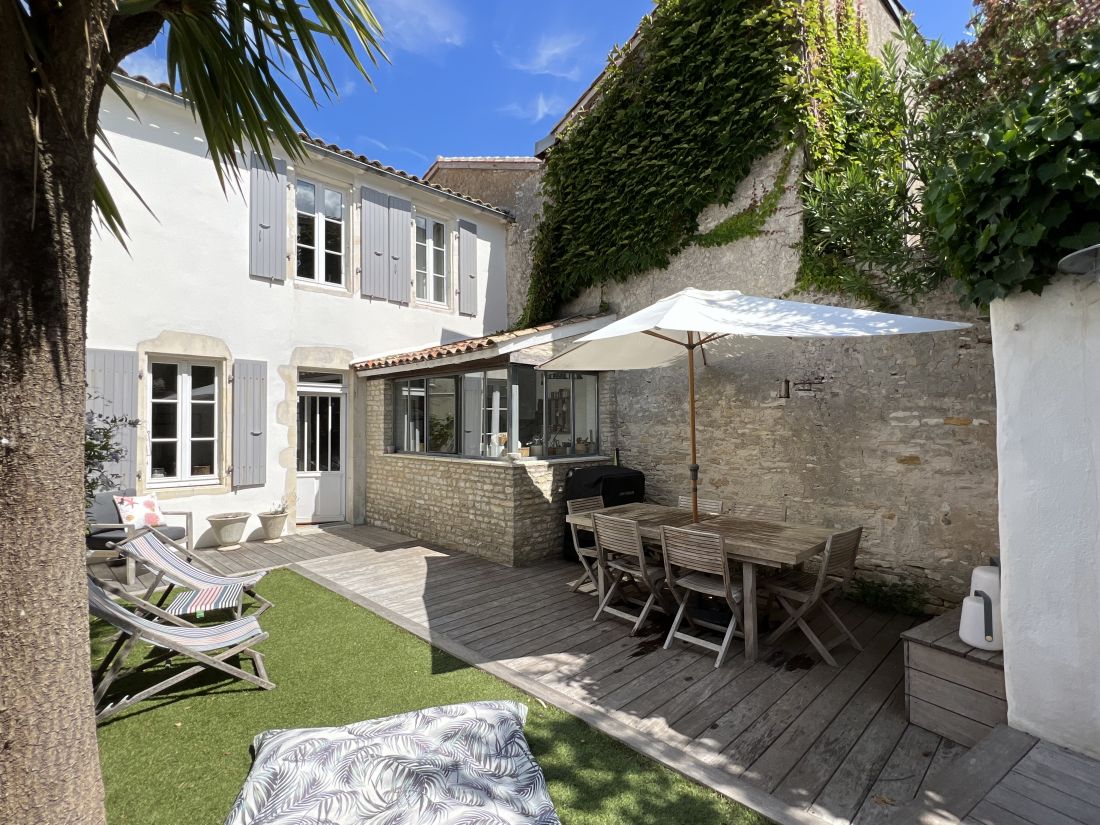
(319, 232)
(432, 283)
(184, 412)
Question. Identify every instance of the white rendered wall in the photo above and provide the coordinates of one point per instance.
(1046, 353)
(183, 288)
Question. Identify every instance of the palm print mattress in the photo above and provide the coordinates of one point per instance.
(466, 764)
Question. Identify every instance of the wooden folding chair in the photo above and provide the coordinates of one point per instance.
(712, 506)
(763, 512)
(800, 592)
(696, 562)
(621, 557)
(209, 647)
(586, 548)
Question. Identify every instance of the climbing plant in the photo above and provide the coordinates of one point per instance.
(680, 120)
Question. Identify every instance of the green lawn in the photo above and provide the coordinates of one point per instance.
(180, 759)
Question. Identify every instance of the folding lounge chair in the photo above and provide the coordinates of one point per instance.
(174, 567)
(177, 639)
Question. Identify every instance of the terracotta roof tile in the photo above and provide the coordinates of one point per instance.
(466, 345)
(332, 147)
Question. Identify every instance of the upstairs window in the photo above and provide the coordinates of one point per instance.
(320, 233)
(431, 261)
(183, 422)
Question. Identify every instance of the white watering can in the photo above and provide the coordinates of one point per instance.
(980, 624)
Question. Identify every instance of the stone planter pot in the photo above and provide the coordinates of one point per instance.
(272, 525)
(228, 527)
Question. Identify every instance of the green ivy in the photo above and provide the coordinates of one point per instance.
(680, 120)
(1026, 189)
(750, 221)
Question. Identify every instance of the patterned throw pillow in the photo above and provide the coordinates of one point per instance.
(139, 511)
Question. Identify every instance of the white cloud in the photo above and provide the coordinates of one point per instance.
(347, 88)
(554, 55)
(147, 64)
(372, 141)
(538, 108)
(420, 26)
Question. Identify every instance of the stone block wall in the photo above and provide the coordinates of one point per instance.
(510, 513)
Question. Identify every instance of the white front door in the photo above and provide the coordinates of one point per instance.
(320, 456)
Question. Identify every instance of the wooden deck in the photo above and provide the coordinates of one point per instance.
(310, 544)
(787, 735)
(1010, 778)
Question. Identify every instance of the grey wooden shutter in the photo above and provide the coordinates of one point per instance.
(467, 268)
(267, 231)
(112, 379)
(400, 249)
(375, 237)
(249, 423)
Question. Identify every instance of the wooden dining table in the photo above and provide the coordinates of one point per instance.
(751, 542)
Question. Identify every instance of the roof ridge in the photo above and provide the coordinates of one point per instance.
(332, 147)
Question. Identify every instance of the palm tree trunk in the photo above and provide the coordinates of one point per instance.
(49, 762)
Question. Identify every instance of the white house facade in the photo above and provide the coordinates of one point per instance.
(228, 324)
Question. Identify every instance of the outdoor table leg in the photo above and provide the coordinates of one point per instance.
(748, 582)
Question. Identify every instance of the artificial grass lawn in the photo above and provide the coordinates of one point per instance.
(180, 758)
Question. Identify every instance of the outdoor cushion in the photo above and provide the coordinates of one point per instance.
(467, 763)
(98, 540)
(139, 511)
(102, 510)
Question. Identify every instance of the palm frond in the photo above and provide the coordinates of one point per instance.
(230, 61)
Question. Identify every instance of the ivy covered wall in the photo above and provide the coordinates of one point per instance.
(710, 89)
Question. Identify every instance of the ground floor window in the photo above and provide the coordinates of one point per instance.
(184, 412)
(487, 413)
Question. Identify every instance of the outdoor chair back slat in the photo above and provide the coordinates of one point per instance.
(838, 560)
(763, 512)
(585, 549)
(693, 550)
(618, 536)
(714, 506)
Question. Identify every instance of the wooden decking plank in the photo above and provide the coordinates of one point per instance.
(462, 608)
(505, 644)
(961, 786)
(574, 644)
(807, 776)
(1047, 760)
(849, 785)
(771, 746)
(496, 614)
(679, 704)
(716, 723)
(986, 813)
(788, 670)
(1060, 799)
(632, 688)
(900, 778)
(524, 630)
(1037, 813)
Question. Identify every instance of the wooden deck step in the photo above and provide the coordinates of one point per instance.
(951, 797)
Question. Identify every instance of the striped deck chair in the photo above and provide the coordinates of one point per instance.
(210, 591)
(180, 638)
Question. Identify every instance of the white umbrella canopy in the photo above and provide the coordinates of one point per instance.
(658, 335)
(666, 331)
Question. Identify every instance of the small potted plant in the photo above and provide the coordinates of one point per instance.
(536, 446)
(273, 521)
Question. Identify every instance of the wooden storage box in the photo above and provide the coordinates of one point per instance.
(951, 688)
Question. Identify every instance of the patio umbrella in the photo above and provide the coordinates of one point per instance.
(666, 331)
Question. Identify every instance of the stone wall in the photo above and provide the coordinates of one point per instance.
(896, 434)
(510, 513)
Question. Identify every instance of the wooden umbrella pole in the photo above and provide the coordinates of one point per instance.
(694, 468)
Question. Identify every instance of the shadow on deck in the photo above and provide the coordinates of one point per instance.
(787, 735)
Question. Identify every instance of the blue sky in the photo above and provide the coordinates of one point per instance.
(487, 77)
